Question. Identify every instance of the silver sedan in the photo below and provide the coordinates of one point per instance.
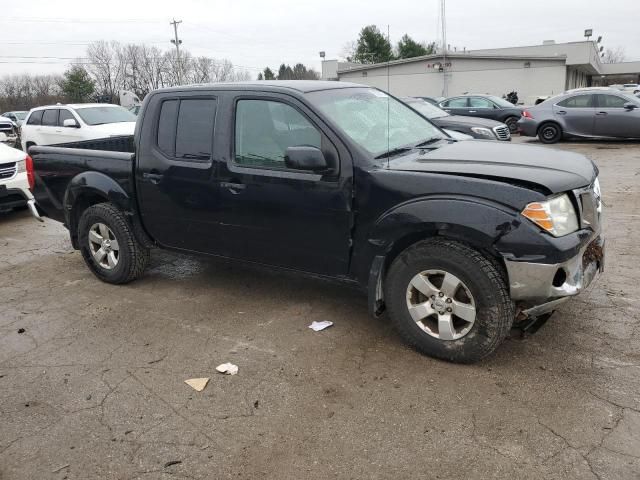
(591, 113)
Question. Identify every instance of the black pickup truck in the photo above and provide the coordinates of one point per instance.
(458, 241)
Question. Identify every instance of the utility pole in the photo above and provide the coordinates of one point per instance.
(176, 41)
(443, 18)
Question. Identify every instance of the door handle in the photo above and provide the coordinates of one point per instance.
(152, 177)
(562, 112)
(472, 111)
(234, 188)
(602, 113)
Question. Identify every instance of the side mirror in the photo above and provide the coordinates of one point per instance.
(70, 122)
(305, 158)
(629, 106)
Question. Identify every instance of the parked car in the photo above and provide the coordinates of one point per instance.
(339, 180)
(16, 179)
(135, 109)
(480, 128)
(9, 130)
(16, 117)
(73, 123)
(607, 113)
(484, 106)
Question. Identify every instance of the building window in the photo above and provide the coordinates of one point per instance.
(364, 74)
(527, 64)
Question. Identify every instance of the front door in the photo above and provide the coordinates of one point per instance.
(613, 120)
(67, 134)
(276, 215)
(483, 108)
(576, 114)
(174, 175)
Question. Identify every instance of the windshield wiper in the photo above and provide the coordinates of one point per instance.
(393, 151)
(429, 141)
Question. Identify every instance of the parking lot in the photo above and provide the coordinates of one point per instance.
(92, 375)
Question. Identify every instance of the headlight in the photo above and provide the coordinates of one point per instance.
(556, 215)
(21, 166)
(485, 132)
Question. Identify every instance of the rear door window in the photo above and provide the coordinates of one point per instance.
(185, 128)
(579, 101)
(35, 118)
(50, 118)
(479, 102)
(194, 133)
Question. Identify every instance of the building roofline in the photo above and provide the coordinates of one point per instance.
(369, 66)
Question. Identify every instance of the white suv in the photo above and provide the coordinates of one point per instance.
(16, 179)
(74, 123)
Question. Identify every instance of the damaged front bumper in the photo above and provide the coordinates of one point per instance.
(539, 288)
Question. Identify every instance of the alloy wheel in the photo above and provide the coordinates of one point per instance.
(104, 246)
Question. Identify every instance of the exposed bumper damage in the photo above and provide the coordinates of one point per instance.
(538, 288)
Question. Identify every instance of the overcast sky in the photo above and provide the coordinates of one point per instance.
(253, 34)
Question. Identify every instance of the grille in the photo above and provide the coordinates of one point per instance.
(6, 127)
(502, 132)
(7, 170)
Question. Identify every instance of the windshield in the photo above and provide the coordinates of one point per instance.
(501, 102)
(630, 98)
(425, 108)
(20, 115)
(374, 120)
(102, 115)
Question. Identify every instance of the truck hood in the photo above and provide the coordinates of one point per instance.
(555, 170)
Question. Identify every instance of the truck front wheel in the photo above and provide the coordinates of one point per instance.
(108, 245)
(448, 300)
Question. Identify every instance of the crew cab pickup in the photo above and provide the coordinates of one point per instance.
(457, 241)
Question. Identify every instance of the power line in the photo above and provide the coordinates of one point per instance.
(77, 20)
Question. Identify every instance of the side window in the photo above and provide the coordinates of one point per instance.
(167, 127)
(35, 118)
(265, 129)
(579, 101)
(50, 118)
(478, 102)
(611, 101)
(456, 103)
(64, 115)
(194, 133)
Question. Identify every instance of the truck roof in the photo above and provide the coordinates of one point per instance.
(302, 86)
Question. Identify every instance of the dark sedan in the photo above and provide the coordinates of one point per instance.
(595, 112)
(484, 106)
(479, 128)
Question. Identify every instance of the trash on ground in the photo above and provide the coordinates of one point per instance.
(228, 368)
(21, 330)
(176, 462)
(317, 326)
(197, 384)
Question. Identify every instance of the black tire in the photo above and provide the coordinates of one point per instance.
(132, 257)
(512, 123)
(483, 278)
(550, 132)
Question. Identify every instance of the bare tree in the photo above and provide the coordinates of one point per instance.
(614, 55)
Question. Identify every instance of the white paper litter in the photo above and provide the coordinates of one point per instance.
(197, 384)
(317, 326)
(228, 368)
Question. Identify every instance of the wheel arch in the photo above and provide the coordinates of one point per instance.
(87, 189)
(427, 219)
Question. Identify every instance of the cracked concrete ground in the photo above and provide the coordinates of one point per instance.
(93, 388)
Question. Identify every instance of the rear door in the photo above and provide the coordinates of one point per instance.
(276, 215)
(176, 160)
(613, 120)
(456, 106)
(576, 114)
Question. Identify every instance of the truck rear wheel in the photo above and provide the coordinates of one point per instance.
(448, 301)
(108, 245)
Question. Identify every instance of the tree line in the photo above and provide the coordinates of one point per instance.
(109, 67)
(372, 46)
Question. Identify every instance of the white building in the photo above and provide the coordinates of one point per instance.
(531, 71)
